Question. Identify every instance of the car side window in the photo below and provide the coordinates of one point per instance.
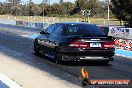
(73, 29)
(51, 29)
(58, 30)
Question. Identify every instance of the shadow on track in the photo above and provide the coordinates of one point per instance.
(76, 63)
(84, 63)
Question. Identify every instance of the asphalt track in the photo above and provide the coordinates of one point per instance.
(121, 68)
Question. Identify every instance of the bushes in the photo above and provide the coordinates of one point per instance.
(62, 9)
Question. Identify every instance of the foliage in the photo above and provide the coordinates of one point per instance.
(56, 9)
(5, 9)
(122, 10)
(34, 9)
(16, 11)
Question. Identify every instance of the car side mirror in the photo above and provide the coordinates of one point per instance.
(44, 33)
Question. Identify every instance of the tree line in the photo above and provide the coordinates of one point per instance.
(123, 10)
(120, 8)
(16, 8)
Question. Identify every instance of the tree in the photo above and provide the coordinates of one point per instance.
(94, 5)
(24, 10)
(122, 10)
(81, 4)
(14, 7)
(16, 11)
(1, 8)
(6, 8)
(67, 7)
(43, 7)
(34, 9)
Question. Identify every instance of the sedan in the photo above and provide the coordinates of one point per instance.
(75, 42)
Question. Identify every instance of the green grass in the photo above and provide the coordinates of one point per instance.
(100, 21)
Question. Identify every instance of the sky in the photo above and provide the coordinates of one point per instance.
(39, 1)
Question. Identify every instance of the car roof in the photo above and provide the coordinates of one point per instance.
(74, 23)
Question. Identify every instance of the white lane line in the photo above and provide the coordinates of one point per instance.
(10, 83)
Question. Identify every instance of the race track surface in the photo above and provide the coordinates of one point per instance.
(21, 49)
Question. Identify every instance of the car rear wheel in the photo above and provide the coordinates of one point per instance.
(106, 62)
(36, 49)
(57, 57)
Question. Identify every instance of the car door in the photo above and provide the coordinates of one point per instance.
(55, 37)
(46, 42)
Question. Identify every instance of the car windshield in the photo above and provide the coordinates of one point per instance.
(83, 29)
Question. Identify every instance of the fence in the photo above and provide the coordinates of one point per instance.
(123, 35)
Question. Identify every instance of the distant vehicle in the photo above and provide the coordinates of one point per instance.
(75, 42)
